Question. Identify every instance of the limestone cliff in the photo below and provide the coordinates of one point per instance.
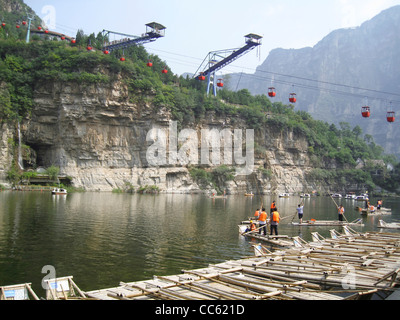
(97, 134)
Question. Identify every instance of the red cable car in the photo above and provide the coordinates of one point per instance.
(122, 59)
(292, 98)
(46, 31)
(18, 26)
(73, 41)
(220, 83)
(62, 37)
(89, 48)
(3, 24)
(165, 71)
(106, 52)
(202, 77)
(39, 28)
(150, 63)
(390, 116)
(366, 112)
(24, 23)
(271, 92)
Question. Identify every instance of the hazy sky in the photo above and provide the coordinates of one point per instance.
(195, 28)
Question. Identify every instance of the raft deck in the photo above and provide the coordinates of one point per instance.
(349, 266)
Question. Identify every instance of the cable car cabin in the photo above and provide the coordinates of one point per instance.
(24, 23)
(271, 92)
(122, 59)
(62, 37)
(106, 52)
(366, 112)
(390, 116)
(89, 48)
(220, 83)
(39, 28)
(292, 98)
(46, 31)
(73, 41)
(150, 63)
(202, 77)
(164, 71)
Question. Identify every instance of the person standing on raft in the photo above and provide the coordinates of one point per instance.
(341, 212)
(274, 221)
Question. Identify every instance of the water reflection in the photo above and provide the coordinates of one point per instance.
(104, 238)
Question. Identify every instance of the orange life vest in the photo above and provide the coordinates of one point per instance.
(273, 206)
(275, 216)
(253, 227)
(263, 216)
(257, 214)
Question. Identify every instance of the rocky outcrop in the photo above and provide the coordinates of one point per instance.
(99, 137)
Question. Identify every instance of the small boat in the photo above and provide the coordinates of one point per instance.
(59, 191)
(305, 195)
(363, 197)
(313, 222)
(284, 195)
(386, 225)
(336, 195)
(350, 196)
(249, 194)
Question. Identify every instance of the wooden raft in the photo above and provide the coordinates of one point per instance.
(347, 266)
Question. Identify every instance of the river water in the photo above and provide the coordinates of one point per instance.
(104, 238)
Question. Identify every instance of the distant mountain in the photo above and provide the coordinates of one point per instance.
(366, 57)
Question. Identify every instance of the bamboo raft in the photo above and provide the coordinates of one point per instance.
(346, 266)
(388, 225)
(328, 223)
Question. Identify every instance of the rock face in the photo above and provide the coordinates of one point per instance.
(329, 76)
(100, 138)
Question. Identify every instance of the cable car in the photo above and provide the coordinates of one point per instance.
(3, 24)
(292, 98)
(202, 77)
(390, 116)
(73, 41)
(150, 63)
(46, 31)
(271, 92)
(39, 28)
(18, 26)
(24, 23)
(165, 71)
(62, 37)
(220, 83)
(366, 112)
(122, 59)
(89, 48)
(106, 51)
